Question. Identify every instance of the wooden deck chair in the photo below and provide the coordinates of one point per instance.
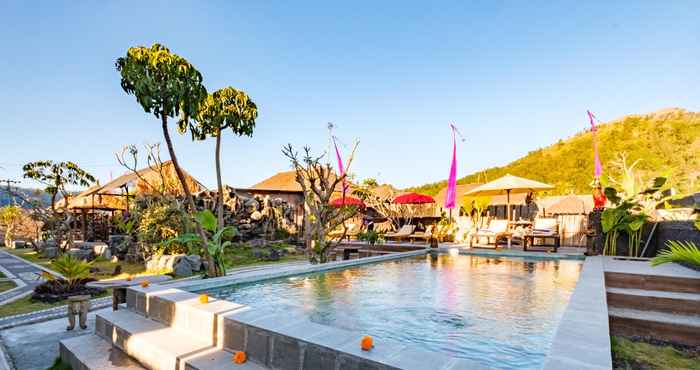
(404, 232)
(496, 229)
(544, 228)
(422, 235)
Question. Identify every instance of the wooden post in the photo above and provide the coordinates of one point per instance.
(83, 220)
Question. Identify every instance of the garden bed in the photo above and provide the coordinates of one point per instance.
(630, 354)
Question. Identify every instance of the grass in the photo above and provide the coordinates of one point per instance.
(106, 267)
(60, 365)
(628, 355)
(6, 285)
(241, 255)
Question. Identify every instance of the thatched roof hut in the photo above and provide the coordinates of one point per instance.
(113, 195)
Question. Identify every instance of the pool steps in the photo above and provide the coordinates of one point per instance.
(663, 307)
(168, 329)
(92, 352)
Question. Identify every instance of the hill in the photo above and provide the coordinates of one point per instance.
(666, 141)
(27, 193)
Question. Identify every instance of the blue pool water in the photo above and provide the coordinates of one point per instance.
(501, 312)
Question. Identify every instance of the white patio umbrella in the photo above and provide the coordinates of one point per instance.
(508, 185)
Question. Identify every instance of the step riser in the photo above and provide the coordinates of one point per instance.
(648, 282)
(661, 304)
(181, 310)
(141, 351)
(69, 358)
(680, 334)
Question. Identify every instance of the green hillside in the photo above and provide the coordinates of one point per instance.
(666, 141)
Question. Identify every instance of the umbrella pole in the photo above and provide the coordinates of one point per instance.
(508, 204)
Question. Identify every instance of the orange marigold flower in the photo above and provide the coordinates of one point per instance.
(239, 357)
(367, 343)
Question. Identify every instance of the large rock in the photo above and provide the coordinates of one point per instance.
(18, 244)
(83, 254)
(49, 252)
(179, 264)
(102, 250)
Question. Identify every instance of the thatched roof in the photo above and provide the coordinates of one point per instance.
(566, 204)
(285, 182)
(111, 196)
(281, 181)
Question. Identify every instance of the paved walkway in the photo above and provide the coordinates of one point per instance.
(24, 274)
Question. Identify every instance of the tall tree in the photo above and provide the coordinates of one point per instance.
(226, 108)
(319, 184)
(168, 86)
(55, 176)
(9, 216)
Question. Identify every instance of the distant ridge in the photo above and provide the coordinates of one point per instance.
(667, 141)
(27, 193)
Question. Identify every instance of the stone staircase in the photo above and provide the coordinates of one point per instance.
(661, 307)
(159, 329)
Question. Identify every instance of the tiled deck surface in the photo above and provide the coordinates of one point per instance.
(641, 266)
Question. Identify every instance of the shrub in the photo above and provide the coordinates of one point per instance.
(161, 221)
(679, 252)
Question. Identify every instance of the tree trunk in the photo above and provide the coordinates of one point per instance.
(220, 186)
(212, 270)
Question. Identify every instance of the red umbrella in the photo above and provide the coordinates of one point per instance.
(347, 201)
(413, 198)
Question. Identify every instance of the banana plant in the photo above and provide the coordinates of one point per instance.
(216, 245)
(634, 205)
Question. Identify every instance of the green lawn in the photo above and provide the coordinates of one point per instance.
(632, 355)
(6, 285)
(237, 256)
(105, 266)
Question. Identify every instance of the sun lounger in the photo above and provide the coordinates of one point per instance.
(404, 232)
(353, 230)
(544, 228)
(497, 229)
(422, 235)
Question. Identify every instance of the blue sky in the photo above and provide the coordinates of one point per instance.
(513, 75)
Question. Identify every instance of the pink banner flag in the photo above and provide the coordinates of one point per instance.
(452, 180)
(341, 169)
(598, 166)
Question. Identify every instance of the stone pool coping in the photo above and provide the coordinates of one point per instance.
(267, 274)
(513, 253)
(582, 339)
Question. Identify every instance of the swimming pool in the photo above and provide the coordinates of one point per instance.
(501, 312)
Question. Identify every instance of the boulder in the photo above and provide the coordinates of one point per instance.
(256, 216)
(49, 252)
(82, 254)
(102, 250)
(251, 205)
(274, 255)
(257, 243)
(179, 264)
(18, 244)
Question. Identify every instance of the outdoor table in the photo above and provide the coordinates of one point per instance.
(119, 286)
